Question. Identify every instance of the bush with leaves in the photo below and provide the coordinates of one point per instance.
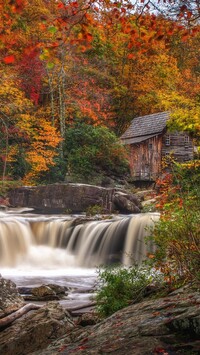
(177, 234)
(92, 150)
(120, 286)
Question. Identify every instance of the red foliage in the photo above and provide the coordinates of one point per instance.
(9, 59)
(31, 70)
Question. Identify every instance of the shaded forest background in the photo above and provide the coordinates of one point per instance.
(73, 74)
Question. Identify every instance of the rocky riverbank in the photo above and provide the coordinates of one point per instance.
(74, 198)
(166, 325)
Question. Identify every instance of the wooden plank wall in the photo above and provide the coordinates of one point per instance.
(146, 157)
(179, 145)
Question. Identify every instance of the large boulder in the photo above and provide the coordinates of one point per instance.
(35, 330)
(10, 299)
(126, 203)
(44, 292)
(73, 198)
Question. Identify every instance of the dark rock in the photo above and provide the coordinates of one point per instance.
(24, 290)
(87, 319)
(3, 208)
(126, 203)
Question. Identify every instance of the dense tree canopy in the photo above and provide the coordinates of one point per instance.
(98, 62)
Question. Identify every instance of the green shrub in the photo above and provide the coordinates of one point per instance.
(95, 209)
(93, 150)
(120, 286)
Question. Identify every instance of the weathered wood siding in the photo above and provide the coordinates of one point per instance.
(145, 159)
(179, 145)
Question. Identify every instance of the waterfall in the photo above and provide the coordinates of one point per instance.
(57, 241)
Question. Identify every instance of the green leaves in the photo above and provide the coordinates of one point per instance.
(50, 65)
(120, 286)
(52, 29)
(92, 149)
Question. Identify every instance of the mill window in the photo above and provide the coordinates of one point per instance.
(167, 140)
(186, 141)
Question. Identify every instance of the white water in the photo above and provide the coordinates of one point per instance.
(52, 245)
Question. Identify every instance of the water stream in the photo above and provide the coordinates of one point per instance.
(36, 249)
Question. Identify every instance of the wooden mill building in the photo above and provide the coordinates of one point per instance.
(149, 142)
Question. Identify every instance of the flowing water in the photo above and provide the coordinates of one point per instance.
(40, 249)
(55, 242)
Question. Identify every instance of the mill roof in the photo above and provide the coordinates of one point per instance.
(145, 127)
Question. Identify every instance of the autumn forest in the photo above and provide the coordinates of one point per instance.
(73, 74)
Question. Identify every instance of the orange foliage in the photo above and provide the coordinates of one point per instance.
(102, 61)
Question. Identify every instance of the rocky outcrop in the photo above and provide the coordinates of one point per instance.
(168, 325)
(73, 198)
(35, 330)
(27, 328)
(10, 299)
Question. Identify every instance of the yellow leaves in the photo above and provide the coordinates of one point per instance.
(45, 54)
(46, 134)
(192, 165)
(12, 98)
(12, 153)
(40, 159)
(35, 134)
(44, 139)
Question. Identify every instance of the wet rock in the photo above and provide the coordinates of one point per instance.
(45, 293)
(42, 291)
(24, 290)
(10, 299)
(35, 330)
(58, 290)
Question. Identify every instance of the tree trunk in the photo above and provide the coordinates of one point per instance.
(6, 152)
